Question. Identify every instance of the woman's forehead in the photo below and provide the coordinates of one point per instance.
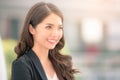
(52, 19)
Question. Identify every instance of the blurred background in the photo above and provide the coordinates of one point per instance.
(92, 33)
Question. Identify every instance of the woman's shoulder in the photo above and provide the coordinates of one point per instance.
(21, 68)
(23, 60)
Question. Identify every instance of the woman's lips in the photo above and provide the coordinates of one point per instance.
(52, 41)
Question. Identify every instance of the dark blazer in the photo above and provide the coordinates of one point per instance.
(28, 67)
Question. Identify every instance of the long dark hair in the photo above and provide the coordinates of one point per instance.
(62, 63)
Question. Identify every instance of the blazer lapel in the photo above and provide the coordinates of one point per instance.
(37, 64)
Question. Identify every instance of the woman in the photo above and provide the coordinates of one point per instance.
(38, 56)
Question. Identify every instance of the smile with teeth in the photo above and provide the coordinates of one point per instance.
(52, 41)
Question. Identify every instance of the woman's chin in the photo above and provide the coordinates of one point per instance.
(52, 47)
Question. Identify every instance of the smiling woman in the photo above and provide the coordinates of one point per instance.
(38, 50)
(47, 33)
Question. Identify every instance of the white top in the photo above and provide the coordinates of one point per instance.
(54, 77)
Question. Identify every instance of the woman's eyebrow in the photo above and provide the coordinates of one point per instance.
(49, 24)
(53, 24)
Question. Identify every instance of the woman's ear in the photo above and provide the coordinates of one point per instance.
(31, 29)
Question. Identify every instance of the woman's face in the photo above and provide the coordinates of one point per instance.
(48, 33)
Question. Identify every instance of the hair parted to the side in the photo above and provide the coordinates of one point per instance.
(61, 63)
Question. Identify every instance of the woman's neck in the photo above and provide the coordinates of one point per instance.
(41, 53)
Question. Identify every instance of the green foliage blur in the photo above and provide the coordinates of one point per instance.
(8, 48)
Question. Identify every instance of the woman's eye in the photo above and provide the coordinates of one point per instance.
(60, 27)
(48, 27)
